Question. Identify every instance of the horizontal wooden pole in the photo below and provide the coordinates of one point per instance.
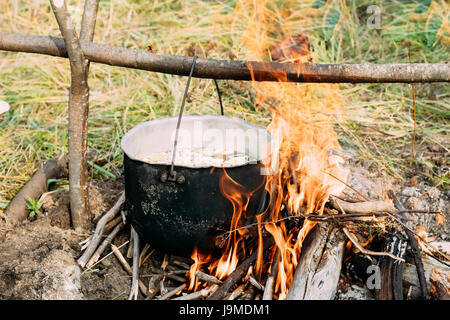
(232, 69)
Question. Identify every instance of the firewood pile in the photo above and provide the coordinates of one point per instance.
(367, 243)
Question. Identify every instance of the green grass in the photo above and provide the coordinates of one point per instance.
(379, 118)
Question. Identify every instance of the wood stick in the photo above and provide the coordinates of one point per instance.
(134, 282)
(355, 242)
(173, 292)
(237, 274)
(165, 262)
(169, 275)
(16, 211)
(236, 293)
(415, 249)
(154, 284)
(85, 243)
(207, 278)
(113, 223)
(195, 295)
(127, 267)
(317, 274)
(142, 255)
(255, 283)
(99, 230)
(129, 254)
(180, 263)
(147, 256)
(362, 207)
(78, 114)
(88, 25)
(268, 290)
(104, 244)
(232, 69)
(162, 287)
(443, 255)
(440, 284)
(249, 294)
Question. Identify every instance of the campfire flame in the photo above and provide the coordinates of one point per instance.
(302, 164)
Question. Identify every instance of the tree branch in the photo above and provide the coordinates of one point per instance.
(78, 112)
(88, 25)
(232, 70)
(34, 188)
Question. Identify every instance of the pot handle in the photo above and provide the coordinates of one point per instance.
(172, 176)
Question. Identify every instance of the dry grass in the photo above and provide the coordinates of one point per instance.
(379, 120)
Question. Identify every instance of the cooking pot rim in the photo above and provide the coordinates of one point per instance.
(247, 124)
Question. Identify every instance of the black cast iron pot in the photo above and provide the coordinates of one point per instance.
(191, 210)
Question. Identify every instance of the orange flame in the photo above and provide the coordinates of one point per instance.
(302, 164)
(302, 127)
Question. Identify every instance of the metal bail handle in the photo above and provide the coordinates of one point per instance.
(172, 176)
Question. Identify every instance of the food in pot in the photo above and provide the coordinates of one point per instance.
(201, 157)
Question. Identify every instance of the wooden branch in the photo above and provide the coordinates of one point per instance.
(173, 292)
(154, 286)
(255, 283)
(362, 207)
(367, 252)
(99, 229)
(135, 279)
(415, 248)
(104, 245)
(16, 211)
(88, 26)
(391, 271)
(78, 113)
(127, 268)
(236, 292)
(237, 274)
(207, 278)
(319, 266)
(268, 290)
(440, 285)
(195, 295)
(232, 70)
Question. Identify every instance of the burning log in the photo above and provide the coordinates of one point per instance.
(268, 290)
(391, 270)
(318, 270)
(236, 275)
(362, 207)
(440, 284)
(34, 188)
(207, 278)
(231, 70)
(415, 250)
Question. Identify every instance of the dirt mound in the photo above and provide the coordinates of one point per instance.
(38, 258)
